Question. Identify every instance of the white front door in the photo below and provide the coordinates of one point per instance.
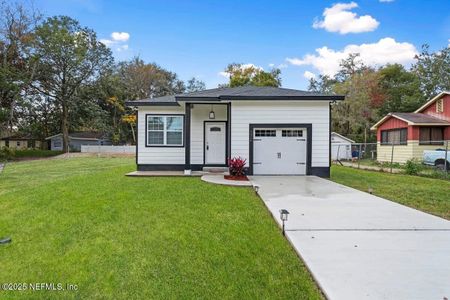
(215, 143)
(279, 151)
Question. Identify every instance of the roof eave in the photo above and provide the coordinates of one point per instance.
(429, 124)
(343, 137)
(257, 98)
(136, 103)
(377, 124)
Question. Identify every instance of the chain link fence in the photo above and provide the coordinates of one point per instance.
(393, 157)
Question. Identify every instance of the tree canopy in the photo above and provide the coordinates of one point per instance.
(371, 93)
(241, 75)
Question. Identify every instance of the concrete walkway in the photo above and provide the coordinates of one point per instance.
(219, 179)
(359, 246)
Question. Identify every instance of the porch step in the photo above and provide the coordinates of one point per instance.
(215, 169)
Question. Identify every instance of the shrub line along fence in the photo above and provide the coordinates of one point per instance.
(394, 154)
(108, 149)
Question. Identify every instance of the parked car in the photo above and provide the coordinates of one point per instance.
(436, 158)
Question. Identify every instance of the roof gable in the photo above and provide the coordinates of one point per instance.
(342, 137)
(431, 101)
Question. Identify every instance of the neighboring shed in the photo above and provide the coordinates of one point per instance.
(341, 147)
(21, 142)
(76, 139)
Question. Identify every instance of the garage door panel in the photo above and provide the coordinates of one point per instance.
(279, 151)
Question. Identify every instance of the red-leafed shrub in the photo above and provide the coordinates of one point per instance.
(236, 166)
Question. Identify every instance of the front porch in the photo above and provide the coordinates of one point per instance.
(207, 135)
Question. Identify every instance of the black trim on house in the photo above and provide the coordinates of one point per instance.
(278, 125)
(142, 103)
(320, 171)
(329, 137)
(228, 132)
(137, 134)
(163, 146)
(159, 167)
(258, 98)
(226, 142)
(187, 136)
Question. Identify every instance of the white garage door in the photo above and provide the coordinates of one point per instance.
(279, 151)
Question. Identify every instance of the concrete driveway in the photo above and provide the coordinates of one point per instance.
(359, 246)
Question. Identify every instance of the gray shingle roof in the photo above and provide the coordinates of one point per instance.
(420, 118)
(237, 93)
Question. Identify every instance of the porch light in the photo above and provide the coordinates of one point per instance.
(212, 114)
(284, 217)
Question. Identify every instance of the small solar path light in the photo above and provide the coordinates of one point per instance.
(5, 240)
(284, 217)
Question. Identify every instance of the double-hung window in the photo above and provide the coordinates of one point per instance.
(431, 136)
(394, 136)
(165, 130)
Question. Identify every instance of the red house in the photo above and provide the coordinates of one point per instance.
(427, 128)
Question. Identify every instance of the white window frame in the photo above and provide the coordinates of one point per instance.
(165, 131)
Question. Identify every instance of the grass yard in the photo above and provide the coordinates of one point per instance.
(81, 221)
(426, 194)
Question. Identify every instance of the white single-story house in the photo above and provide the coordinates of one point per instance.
(341, 147)
(76, 139)
(21, 142)
(278, 131)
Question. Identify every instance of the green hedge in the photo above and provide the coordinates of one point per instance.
(12, 154)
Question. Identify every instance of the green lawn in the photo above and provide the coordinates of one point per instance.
(426, 194)
(81, 221)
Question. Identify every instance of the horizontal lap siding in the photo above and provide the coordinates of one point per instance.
(199, 114)
(402, 153)
(316, 113)
(157, 155)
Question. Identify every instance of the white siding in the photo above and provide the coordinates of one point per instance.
(199, 114)
(340, 148)
(316, 113)
(157, 155)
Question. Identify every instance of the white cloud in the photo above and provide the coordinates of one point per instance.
(339, 18)
(308, 75)
(224, 74)
(386, 50)
(280, 66)
(120, 36)
(107, 42)
(449, 42)
(117, 39)
(122, 48)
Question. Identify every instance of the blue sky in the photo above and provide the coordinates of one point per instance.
(199, 38)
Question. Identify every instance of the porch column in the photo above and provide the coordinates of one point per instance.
(187, 138)
(228, 132)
